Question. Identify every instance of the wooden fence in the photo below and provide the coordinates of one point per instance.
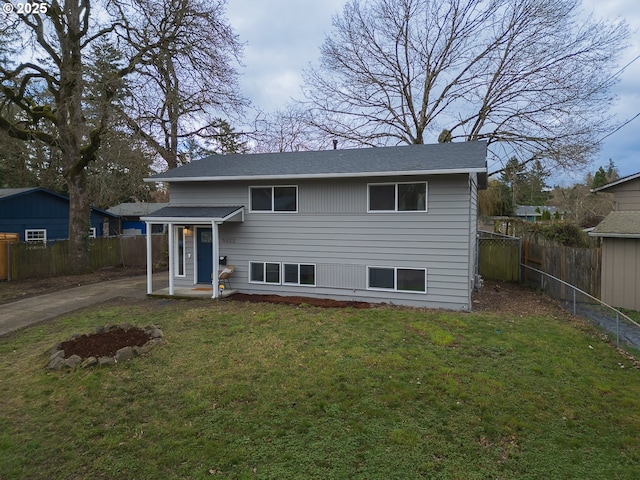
(6, 239)
(35, 260)
(580, 267)
(499, 257)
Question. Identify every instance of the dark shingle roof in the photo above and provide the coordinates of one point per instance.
(192, 213)
(441, 158)
(619, 224)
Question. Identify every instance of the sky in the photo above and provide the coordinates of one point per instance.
(282, 37)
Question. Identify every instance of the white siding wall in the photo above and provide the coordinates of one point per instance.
(333, 230)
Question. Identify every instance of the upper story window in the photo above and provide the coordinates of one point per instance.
(273, 199)
(35, 235)
(398, 197)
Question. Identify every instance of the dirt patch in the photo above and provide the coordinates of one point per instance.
(514, 298)
(104, 344)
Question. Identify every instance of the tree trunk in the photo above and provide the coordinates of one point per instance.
(79, 223)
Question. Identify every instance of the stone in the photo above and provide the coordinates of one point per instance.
(89, 362)
(57, 363)
(56, 354)
(73, 361)
(55, 348)
(106, 361)
(154, 332)
(124, 354)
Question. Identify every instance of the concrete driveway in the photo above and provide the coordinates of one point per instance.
(34, 310)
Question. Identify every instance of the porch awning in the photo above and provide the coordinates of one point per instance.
(172, 214)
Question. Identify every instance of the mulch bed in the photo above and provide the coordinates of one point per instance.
(316, 302)
(104, 344)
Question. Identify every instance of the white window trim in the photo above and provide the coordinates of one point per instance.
(298, 284)
(395, 279)
(264, 273)
(176, 253)
(92, 232)
(273, 198)
(29, 231)
(426, 203)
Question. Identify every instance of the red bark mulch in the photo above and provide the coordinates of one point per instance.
(104, 344)
(316, 302)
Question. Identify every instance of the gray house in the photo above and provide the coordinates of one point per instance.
(391, 224)
(620, 233)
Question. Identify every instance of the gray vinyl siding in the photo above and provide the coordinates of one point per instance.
(620, 283)
(333, 230)
(627, 195)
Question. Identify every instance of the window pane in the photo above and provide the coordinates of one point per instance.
(382, 197)
(411, 280)
(284, 199)
(290, 273)
(381, 278)
(412, 196)
(273, 273)
(180, 251)
(307, 274)
(261, 198)
(257, 272)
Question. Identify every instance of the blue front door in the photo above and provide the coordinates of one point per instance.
(205, 255)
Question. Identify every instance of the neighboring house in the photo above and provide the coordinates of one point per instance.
(129, 215)
(390, 224)
(40, 215)
(533, 213)
(620, 233)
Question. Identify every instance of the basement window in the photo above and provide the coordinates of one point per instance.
(264, 272)
(397, 279)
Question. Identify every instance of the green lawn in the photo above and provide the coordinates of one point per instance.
(244, 391)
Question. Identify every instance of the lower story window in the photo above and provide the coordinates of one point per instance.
(35, 235)
(299, 274)
(397, 279)
(264, 272)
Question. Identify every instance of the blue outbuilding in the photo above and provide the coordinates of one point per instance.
(40, 215)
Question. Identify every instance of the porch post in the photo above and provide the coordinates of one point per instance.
(216, 258)
(171, 259)
(149, 261)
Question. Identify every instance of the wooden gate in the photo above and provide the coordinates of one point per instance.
(5, 240)
(499, 257)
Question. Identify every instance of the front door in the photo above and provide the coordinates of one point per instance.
(204, 255)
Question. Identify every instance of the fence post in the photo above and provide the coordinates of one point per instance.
(617, 330)
(574, 301)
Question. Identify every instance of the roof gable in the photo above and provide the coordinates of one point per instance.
(610, 185)
(465, 157)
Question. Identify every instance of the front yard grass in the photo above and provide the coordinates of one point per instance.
(259, 391)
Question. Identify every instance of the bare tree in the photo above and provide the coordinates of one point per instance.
(54, 54)
(187, 79)
(285, 130)
(533, 78)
